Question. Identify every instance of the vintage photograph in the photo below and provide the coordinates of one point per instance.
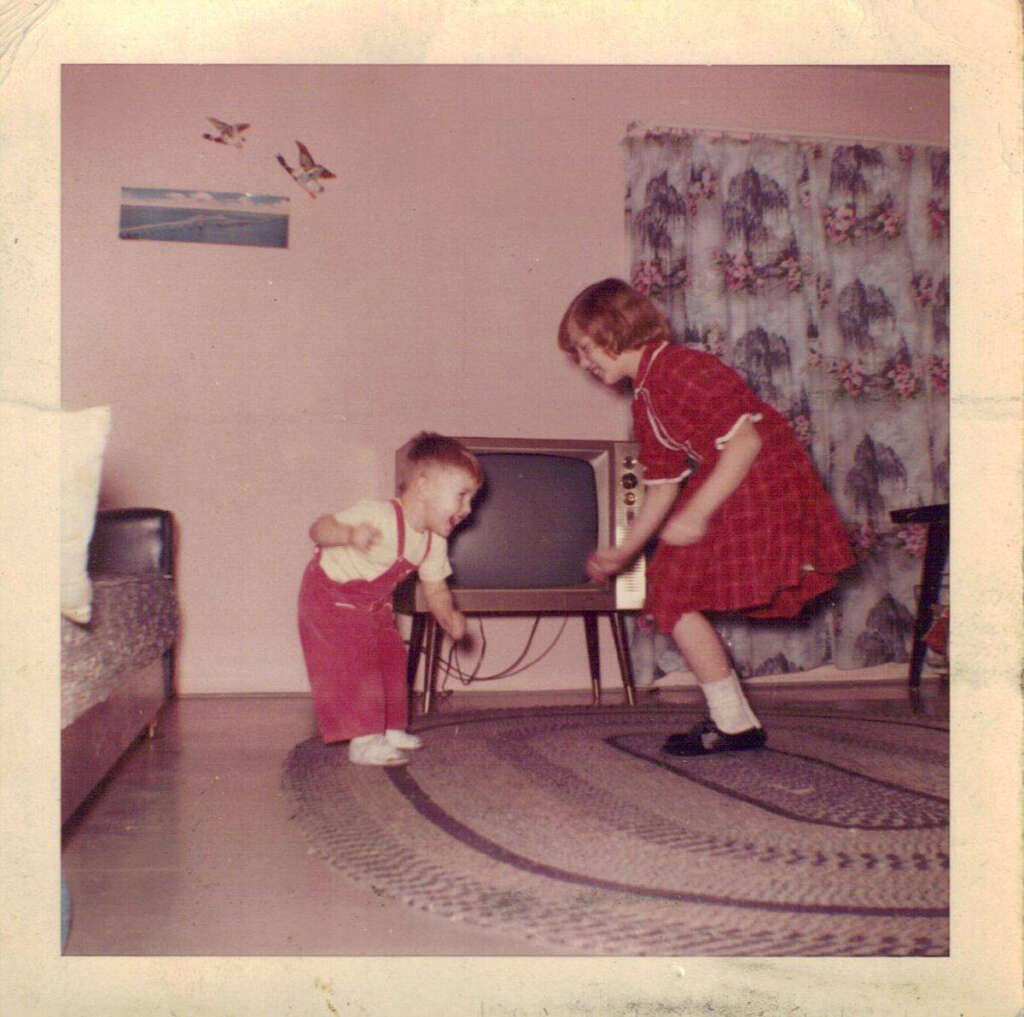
(673, 679)
(538, 520)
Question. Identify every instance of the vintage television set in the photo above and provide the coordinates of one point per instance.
(544, 506)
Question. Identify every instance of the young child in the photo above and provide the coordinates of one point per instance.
(355, 657)
(751, 531)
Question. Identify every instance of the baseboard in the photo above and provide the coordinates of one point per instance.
(822, 677)
(819, 676)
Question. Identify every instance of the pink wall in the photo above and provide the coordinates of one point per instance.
(253, 389)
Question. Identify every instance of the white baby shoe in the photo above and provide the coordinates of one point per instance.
(399, 739)
(374, 750)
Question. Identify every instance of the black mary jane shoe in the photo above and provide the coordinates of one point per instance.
(705, 738)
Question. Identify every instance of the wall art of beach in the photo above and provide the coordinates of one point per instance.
(203, 217)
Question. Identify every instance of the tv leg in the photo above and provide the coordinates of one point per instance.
(433, 651)
(622, 651)
(593, 655)
(419, 622)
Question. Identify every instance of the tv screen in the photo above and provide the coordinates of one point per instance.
(533, 524)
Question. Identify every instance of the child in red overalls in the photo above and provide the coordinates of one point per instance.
(753, 530)
(355, 657)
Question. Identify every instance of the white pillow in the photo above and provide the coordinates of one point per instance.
(83, 438)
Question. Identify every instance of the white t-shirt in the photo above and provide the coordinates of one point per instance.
(343, 564)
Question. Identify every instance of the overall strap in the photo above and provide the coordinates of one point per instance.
(400, 519)
(401, 533)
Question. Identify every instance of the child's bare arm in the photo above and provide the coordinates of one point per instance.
(658, 500)
(733, 465)
(442, 607)
(328, 532)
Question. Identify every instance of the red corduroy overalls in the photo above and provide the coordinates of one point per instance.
(355, 657)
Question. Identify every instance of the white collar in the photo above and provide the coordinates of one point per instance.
(642, 381)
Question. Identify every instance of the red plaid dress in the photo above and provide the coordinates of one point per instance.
(777, 541)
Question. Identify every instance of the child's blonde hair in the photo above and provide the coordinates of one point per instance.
(615, 316)
(430, 449)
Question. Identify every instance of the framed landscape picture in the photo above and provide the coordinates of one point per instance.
(203, 217)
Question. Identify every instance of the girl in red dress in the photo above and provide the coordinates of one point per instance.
(744, 522)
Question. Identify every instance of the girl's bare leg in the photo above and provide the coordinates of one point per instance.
(706, 655)
(702, 647)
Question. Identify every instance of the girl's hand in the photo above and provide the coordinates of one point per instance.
(685, 528)
(605, 562)
(364, 536)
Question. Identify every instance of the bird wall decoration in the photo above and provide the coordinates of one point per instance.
(309, 172)
(227, 134)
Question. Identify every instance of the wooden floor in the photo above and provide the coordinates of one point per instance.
(188, 850)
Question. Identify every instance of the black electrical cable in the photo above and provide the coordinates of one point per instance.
(453, 668)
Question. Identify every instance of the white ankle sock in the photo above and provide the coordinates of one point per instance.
(728, 705)
(402, 739)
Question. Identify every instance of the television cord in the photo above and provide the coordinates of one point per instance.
(452, 667)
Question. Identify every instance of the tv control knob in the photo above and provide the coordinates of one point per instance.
(629, 498)
(629, 462)
(629, 481)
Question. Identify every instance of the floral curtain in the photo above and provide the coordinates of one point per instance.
(819, 269)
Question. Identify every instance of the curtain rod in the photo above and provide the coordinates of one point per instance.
(745, 132)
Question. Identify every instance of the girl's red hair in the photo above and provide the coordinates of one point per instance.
(615, 316)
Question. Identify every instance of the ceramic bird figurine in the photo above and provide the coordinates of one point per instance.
(229, 134)
(309, 172)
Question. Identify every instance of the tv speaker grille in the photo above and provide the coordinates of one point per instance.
(630, 584)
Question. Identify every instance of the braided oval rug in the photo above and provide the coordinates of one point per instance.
(571, 826)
